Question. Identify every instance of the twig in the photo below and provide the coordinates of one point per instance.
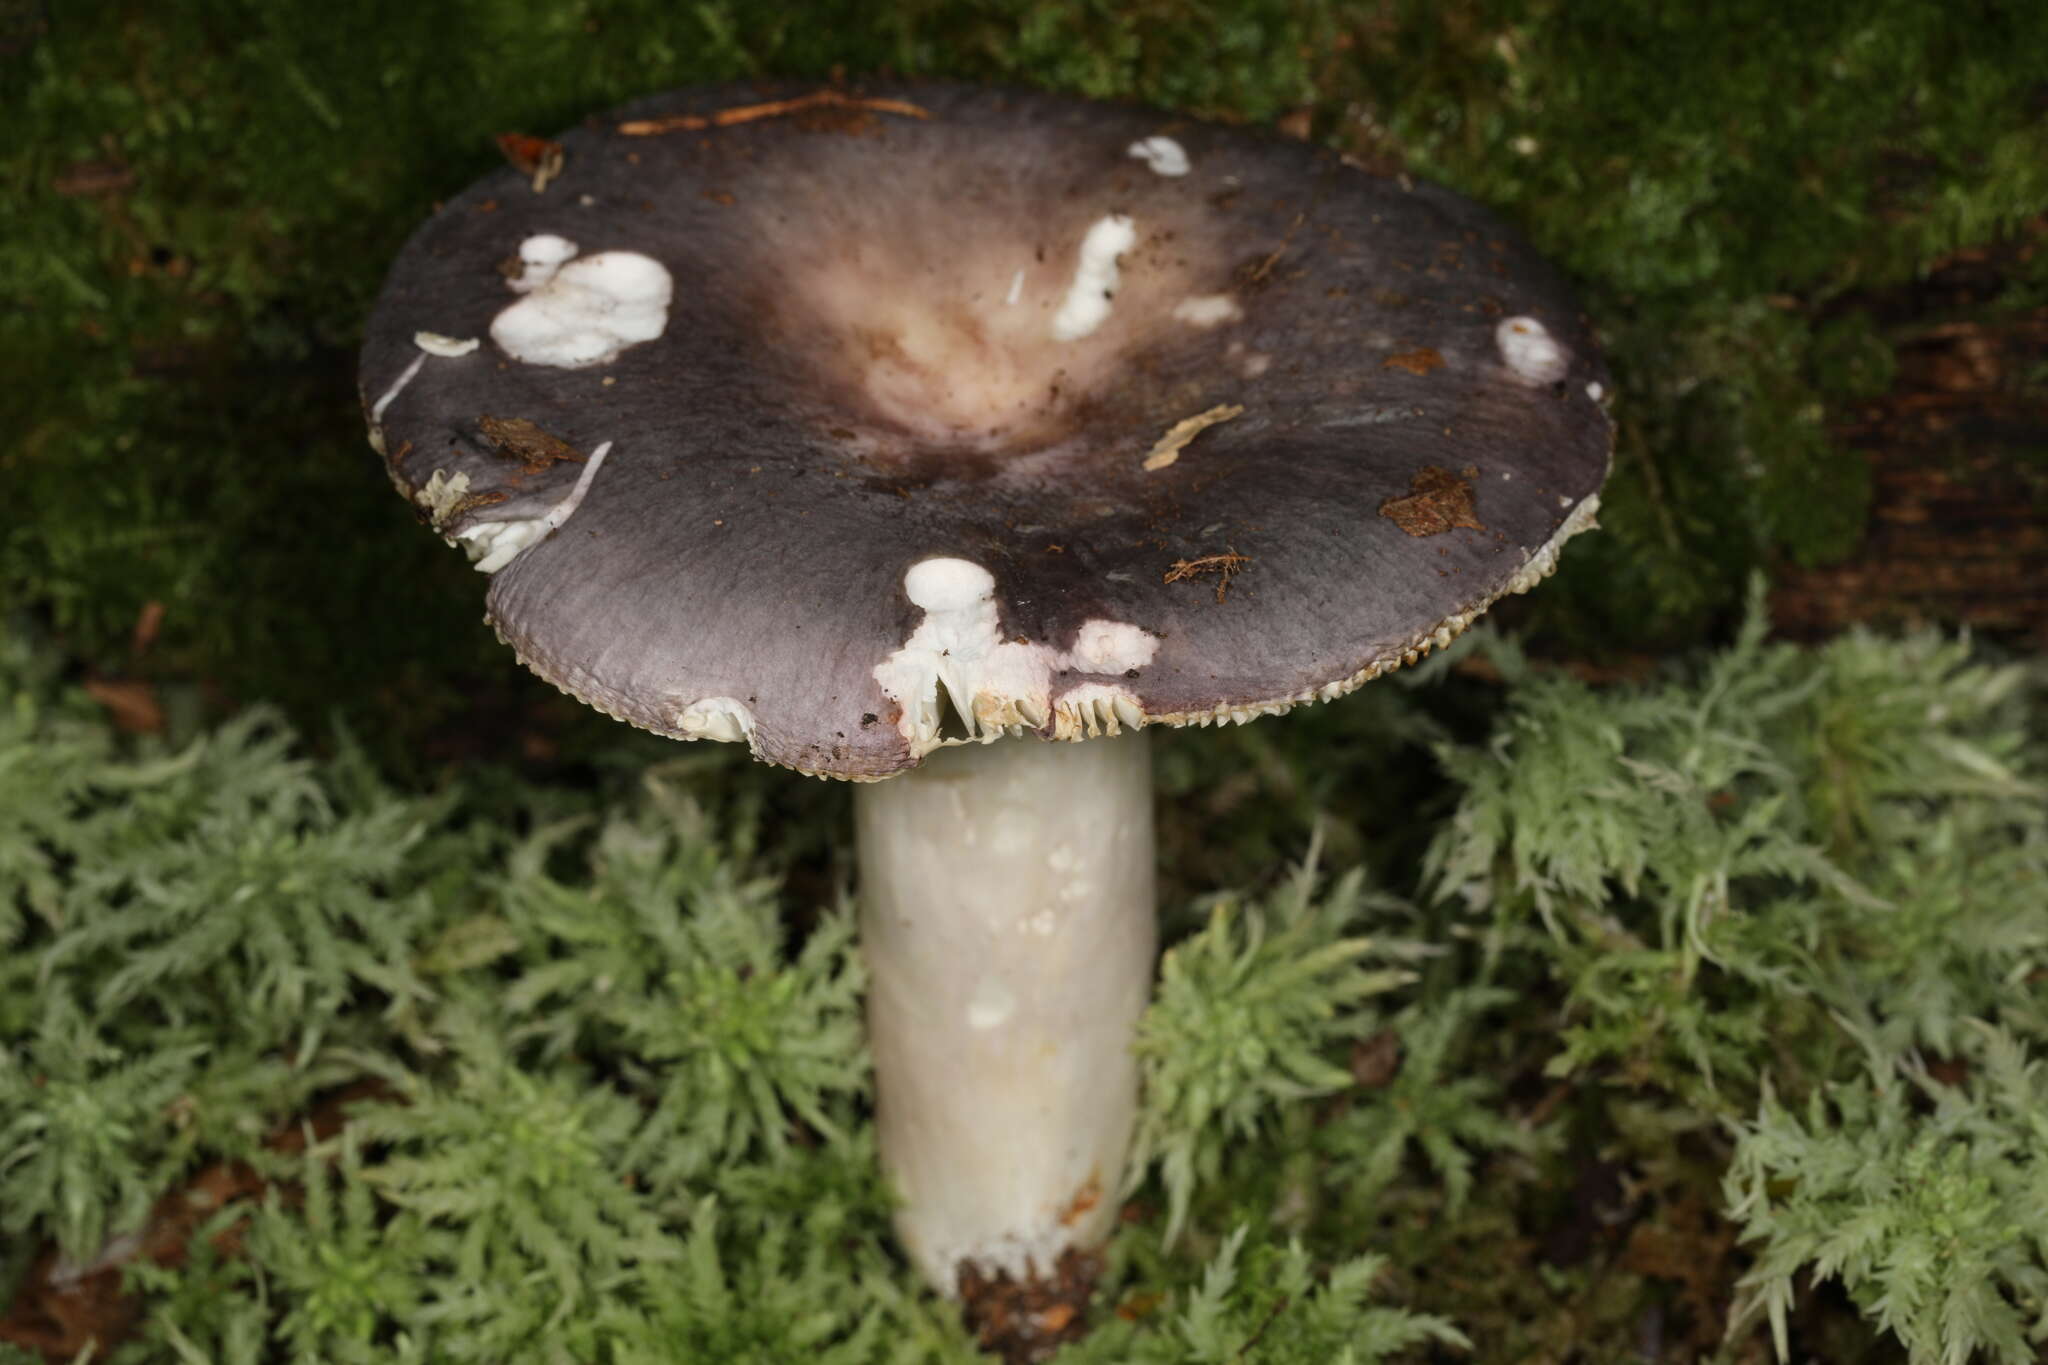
(749, 113)
(1253, 1339)
(534, 157)
(1223, 566)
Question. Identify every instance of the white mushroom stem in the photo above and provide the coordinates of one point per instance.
(1008, 923)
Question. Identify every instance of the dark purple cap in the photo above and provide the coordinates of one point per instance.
(876, 420)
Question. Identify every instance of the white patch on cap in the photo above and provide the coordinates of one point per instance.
(539, 258)
(725, 719)
(1111, 647)
(1016, 287)
(494, 544)
(1207, 310)
(948, 585)
(1530, 351)
(397, 387)
(449, 348)
(1162, 154)
(1595, 392)
(580, 312)
(997, 686)
(1086, 306)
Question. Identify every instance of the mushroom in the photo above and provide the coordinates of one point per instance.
(872, 429)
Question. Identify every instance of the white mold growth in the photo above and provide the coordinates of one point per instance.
(1087, 303)
(448, 348)
(725, 719)
(1528, 349)
(957, 660)
(581, 311)
(494, 544)
(1164, 155)
(1207, 310)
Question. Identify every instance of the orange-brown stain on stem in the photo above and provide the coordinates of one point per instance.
(1089, 1196)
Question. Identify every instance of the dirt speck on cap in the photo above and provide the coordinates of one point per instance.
(1419, 361)
(1437, 501)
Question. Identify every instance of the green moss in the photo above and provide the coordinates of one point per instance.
(614, 1107)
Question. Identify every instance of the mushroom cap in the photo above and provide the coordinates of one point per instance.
(929, 414)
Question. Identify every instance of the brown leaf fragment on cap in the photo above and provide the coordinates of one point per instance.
(1437, 501)
(1421, 360)
(1223, 566)
(519, 439)
(749, 113)
(534, 157)
(1167, 448)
